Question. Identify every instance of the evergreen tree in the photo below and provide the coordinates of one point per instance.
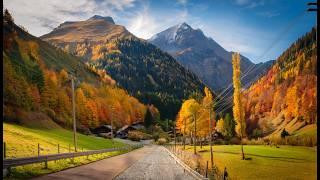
(148, 119)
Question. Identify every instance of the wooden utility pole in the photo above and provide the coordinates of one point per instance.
(74, 116)
(195, 134)
(175, 142)
(210, 125)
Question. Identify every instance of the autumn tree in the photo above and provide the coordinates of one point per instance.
(221, 127)
(208, 104)
(229, 124)
(238, 109)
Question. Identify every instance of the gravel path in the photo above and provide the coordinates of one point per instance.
(155, 165)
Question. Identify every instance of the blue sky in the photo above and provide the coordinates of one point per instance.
(247, 26)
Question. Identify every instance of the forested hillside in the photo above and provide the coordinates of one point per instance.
(286, 97)
(148, 73)
(37, 85)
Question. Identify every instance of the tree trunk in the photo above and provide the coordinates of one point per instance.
(201, 143)
(184, 135)
(195, 135)
(243, 158)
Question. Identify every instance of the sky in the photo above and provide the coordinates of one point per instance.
(259, 29)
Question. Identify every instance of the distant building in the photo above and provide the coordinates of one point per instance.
(102, 129)
(123, 132)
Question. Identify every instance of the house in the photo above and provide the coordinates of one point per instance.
(138, 125)
(123, 132)
(102, 129)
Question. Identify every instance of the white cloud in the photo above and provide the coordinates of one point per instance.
(145, 24)
(182, 2)
(41, 16)
(268, 14)
(249, 3)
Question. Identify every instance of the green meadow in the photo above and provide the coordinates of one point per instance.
(23, 142)
(264, 162)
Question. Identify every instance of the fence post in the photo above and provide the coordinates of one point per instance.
(58, 149)
(46, 164)
(4, 150)
(38, 149)
(207, 170)
(69, 148)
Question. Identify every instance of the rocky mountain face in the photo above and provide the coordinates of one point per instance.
(204, 56)
(148, 73)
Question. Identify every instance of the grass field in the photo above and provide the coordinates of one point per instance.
(23, 142)
(286, 162)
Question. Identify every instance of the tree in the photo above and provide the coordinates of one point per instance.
(148, 119)
(229, 125)
(238, 109)
(208, 103)
(7, 17)
(221, 127)
(193, 109)
(284, 133)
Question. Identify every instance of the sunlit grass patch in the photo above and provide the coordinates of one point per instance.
(23, 142)
(285, 162)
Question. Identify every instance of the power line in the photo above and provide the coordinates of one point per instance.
(250, 69)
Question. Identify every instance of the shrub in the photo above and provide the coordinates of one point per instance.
(284, 133)
(234, 140)
(161, 141)
(138, 135)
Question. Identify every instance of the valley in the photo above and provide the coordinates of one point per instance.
(111, 93)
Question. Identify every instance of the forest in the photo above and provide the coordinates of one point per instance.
(37, 78)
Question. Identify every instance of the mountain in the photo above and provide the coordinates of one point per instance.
(37, 87)
(148, 73)
(286, 97)
(204, 56)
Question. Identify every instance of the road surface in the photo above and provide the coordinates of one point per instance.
(155, 165)
(149, 162)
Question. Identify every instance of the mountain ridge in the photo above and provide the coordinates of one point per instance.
(148, 73)
(201, 54)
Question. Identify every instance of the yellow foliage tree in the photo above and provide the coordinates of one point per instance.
(238, 109)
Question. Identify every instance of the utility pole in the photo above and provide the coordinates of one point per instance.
(312, 9)
(210, 126)
(175, 143)
(74, 116)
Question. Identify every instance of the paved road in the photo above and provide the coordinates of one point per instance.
(104, 169)
(149, 162)
(156, 165)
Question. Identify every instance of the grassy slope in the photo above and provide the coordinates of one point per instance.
(23, 141)
(286, 162)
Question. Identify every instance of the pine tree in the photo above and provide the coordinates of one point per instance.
(148, 119)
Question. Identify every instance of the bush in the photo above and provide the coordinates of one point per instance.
(234, 140)
(219, 142)
(161, 141)
(295, 141)
(155, 136)
(50, 113)
(284, 133)
(138, 135)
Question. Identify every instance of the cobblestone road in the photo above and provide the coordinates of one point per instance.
(156, 165)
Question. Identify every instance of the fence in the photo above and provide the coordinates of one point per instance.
(196, 163)
(7, 163)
